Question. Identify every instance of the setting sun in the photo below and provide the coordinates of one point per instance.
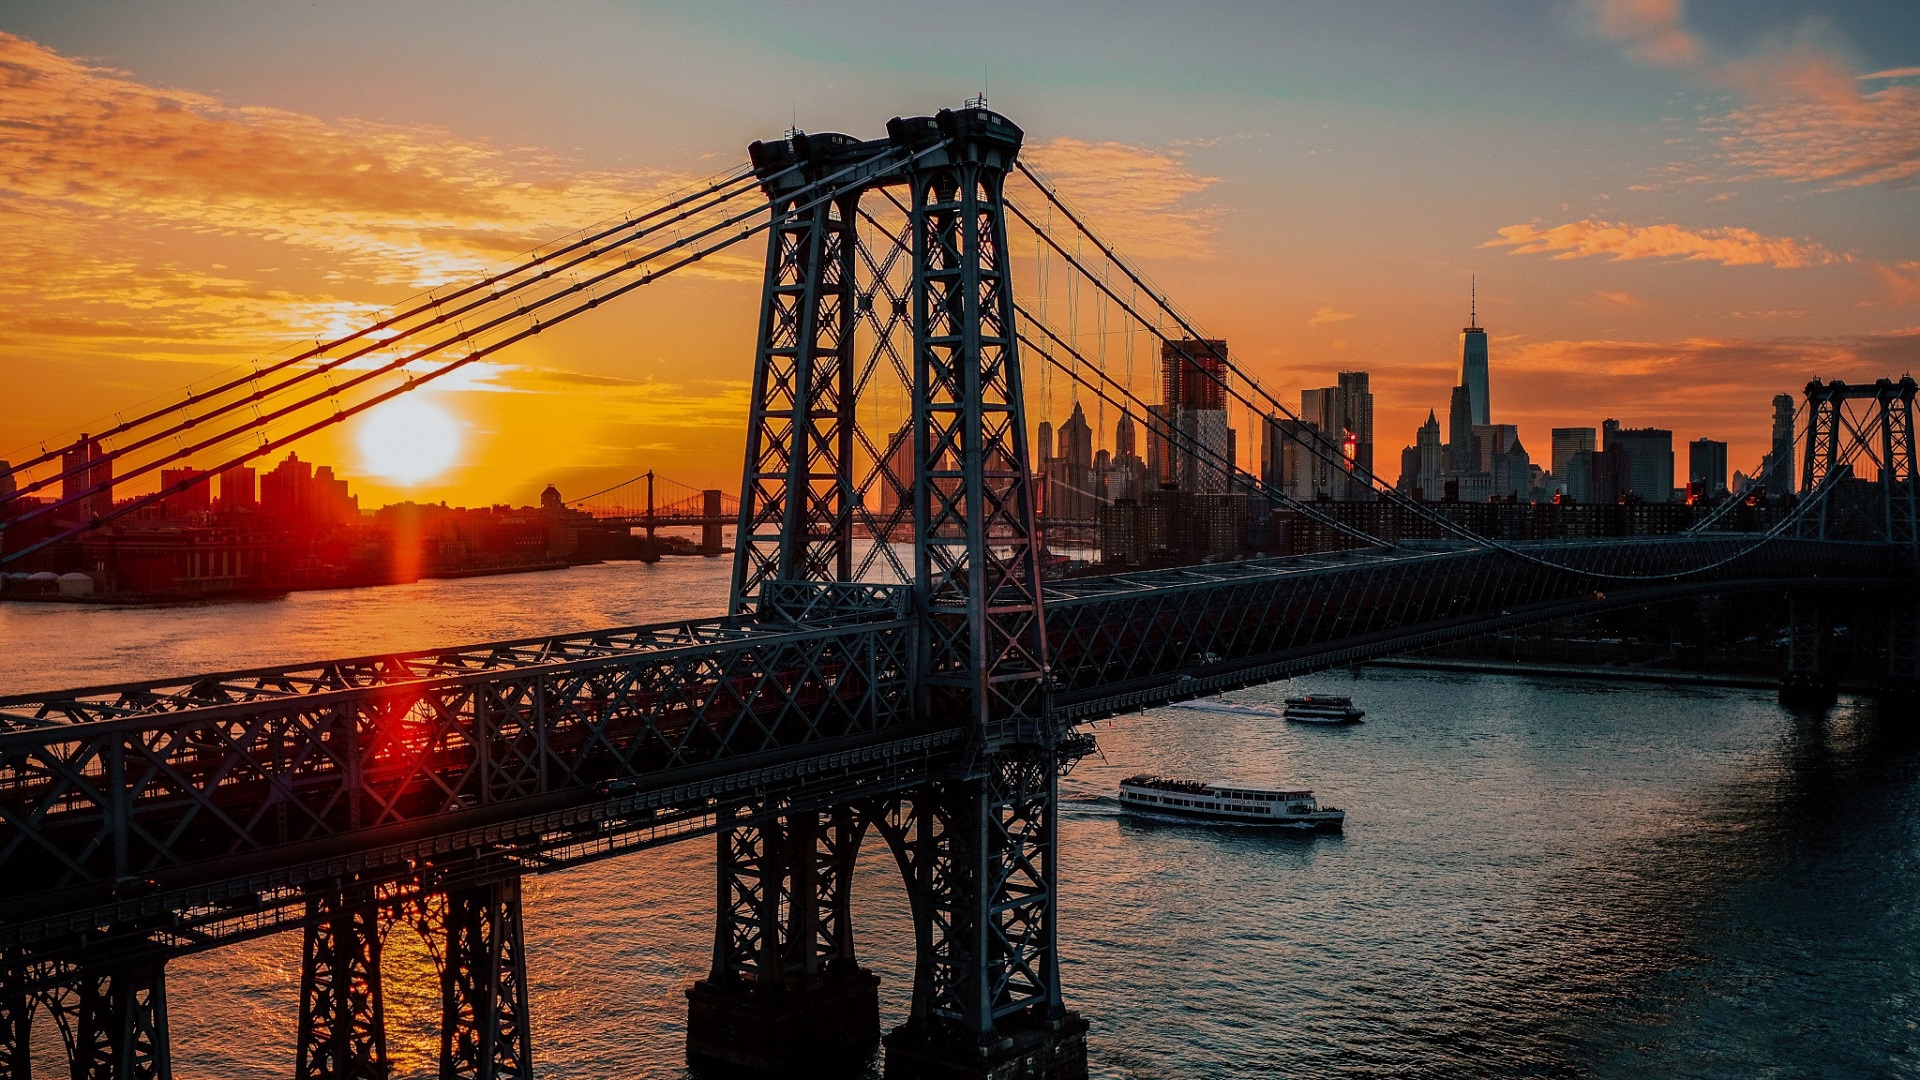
(408, 440)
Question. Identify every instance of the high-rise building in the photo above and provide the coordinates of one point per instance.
(1568, 441)
(1460, 432)
(1193, 374)
(1076, 439)
(1649, 459)
(1043, 444)
(1288, 461)
(195, 498)
(86, 466)
(1780, 476)
(1355, 402)
(1473, 365)
(1707, 466)
(1123, 438)
(1189, 445)
(896, 486)
(1432, 457)
(238, 488)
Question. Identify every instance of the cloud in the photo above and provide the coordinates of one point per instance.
(1136, 196)
(1650, 30)
(1802, 115)
(416, 205)
(1327, 315)
(1727, 246)
(1902, 281)
(1619, 298)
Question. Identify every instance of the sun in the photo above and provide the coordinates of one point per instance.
(408, 440)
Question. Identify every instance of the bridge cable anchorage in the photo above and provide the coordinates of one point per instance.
(489, 284)
(1316, 441)
(818, 192)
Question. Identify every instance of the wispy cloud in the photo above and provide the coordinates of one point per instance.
(418, 206)
(1728, 246)
(1142, 195)
(1803, 115)
(1902, 281)
(1327, 315)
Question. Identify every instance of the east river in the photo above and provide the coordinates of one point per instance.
(1538, 877)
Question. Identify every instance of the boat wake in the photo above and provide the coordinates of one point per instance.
(1231, 708)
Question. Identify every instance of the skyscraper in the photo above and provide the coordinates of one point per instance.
(1193, 374)
(1356, 427)
(1460, 432)
(1189, 446)
(1781, 476)
(1123, 444)
(1043, 444)
(1473, 365)
(1568, 441)
(1707, 466)
(1649, 459)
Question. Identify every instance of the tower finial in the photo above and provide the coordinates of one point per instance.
(1473, 300)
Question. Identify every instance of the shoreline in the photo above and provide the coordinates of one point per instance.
(1577, 671)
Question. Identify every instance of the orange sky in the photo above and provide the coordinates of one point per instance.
(1713, 222)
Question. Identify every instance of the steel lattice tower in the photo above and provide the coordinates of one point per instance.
(977, 846)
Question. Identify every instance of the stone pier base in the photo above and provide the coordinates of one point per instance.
(1028, 1050)
(820, 1027)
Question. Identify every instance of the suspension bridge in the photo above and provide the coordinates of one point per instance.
(893, 661)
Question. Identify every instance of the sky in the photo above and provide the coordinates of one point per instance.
(1672, 211)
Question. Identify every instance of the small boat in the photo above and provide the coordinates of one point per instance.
(1323, 709)
(1228, 801)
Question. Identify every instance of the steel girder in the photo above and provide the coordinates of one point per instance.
(342, 1033)
(1135, 640)
(88, 805)
(484, 1028)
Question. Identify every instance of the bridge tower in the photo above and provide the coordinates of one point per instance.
(977, 845)
(1888, 510)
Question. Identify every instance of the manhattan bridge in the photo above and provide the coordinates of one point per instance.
(893, 660)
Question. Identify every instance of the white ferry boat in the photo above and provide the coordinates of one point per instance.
(1227, 800)
(1323, 709)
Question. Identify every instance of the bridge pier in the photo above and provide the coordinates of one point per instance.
(119, 1023)
(785, 994)
(981, 861)
(342, 1032)
(1808, 683)
(1902, 684)
(484, 1029)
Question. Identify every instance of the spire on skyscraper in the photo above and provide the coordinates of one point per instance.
(1473, 301)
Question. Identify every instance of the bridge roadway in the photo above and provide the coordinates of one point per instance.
(195, 812)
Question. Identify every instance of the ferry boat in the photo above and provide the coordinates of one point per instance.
(1229, 801)
(1323, 709)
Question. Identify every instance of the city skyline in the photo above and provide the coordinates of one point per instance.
(1742, 235)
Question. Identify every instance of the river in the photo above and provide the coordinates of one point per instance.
(1539, 877)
